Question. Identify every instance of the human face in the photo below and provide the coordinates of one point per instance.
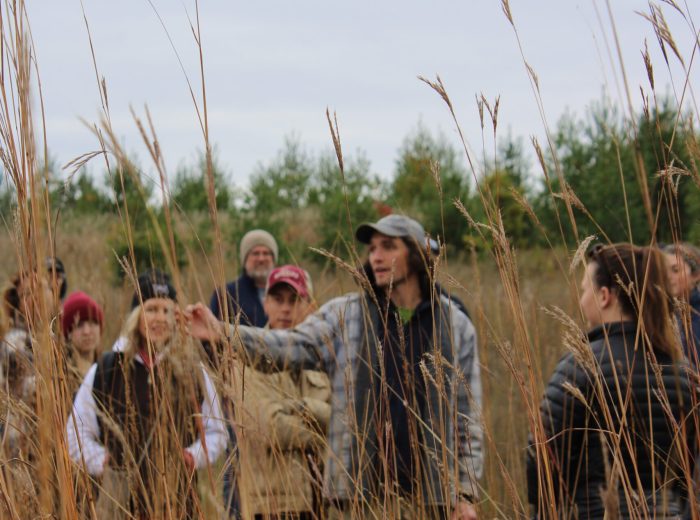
(85, 337)
(388, 258)
(258, 264)
(679, 276)
(157, 321)
(589, 302)
(285, 309)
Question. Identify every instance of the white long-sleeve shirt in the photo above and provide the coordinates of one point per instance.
(83, 432)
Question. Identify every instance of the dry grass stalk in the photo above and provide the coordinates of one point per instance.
(524, 353)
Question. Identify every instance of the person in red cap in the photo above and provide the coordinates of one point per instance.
(81, 322)
(280, 419)
(287, 297)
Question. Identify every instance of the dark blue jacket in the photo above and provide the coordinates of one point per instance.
(241, 296)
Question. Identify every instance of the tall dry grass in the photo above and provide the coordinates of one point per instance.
(476, 281)
(513, 296)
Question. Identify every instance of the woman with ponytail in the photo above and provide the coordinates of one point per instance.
(615, 435)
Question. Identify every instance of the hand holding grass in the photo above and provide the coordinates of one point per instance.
(203, 325)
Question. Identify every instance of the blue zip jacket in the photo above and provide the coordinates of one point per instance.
(241, 296)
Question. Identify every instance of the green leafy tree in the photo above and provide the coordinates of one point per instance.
(278, 190)
(504, 189)
(133, 191)
(692, 207)
(512, 160)
(305, 200)
(506, 195)
(80, 196)
(8, 198)
(130, 189)
(148, 251)
(89, 197)
(588, 152)
(283, 183)
(665, 142)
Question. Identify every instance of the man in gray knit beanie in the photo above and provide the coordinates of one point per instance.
(257, 248)
(243, 297)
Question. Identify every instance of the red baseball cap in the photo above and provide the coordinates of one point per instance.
(293, 276)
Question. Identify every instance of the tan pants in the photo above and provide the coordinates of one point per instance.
(113, 501)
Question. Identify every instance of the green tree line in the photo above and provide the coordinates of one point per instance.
(621, 179)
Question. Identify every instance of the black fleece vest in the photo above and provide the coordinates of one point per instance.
(129, 415)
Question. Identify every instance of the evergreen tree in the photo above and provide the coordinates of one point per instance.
(427, 180)
(189, 189)
(338, 197)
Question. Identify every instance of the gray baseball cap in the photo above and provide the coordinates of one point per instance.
(392, 226)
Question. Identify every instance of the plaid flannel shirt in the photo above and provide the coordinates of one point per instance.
(332, 339)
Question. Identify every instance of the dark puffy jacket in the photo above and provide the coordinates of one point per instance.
(241, 296)
(622, 412)
(690, 330)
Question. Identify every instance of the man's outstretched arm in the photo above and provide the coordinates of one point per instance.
(296, 349)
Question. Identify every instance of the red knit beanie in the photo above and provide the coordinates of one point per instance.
(77, 308)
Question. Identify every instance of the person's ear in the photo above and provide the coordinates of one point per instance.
(606, 297)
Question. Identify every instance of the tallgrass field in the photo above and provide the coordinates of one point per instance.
(522, 302)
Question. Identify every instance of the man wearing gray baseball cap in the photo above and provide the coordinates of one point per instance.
(393, 226)
(405, 436)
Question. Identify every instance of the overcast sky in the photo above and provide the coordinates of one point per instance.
(272, 68)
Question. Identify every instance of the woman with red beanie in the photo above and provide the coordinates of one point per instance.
(81, 322)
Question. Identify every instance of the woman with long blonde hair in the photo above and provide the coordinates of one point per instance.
(147, 416)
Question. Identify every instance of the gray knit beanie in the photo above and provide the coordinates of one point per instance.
(257, 237)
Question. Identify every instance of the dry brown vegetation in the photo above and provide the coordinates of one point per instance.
(513, 296)
(475, 280)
